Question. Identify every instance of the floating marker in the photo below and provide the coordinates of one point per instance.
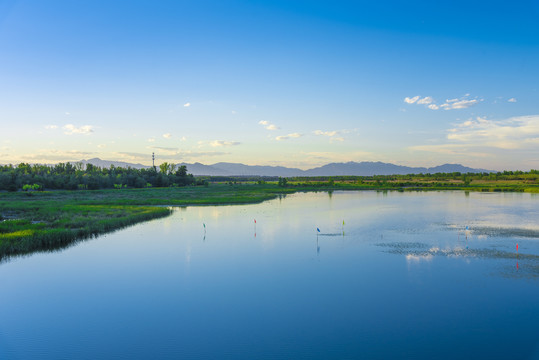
(255, 221)
(517, 247)
(204, 225)
(317, 229)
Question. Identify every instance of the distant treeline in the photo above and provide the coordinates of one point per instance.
(67, 176)
(532, 176)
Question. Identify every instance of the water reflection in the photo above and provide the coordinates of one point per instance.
(416, 252)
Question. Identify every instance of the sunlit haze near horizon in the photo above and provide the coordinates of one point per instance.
(290, 83)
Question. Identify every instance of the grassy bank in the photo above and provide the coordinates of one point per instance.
(48, 220)
(40, 221)
(40, 227)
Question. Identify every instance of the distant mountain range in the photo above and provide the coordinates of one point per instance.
(108, 163)
(334, 169)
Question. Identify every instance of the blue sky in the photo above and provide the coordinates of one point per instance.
(292, 83)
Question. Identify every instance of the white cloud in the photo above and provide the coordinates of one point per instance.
(459, 104)
(101, 146)
(325, 133)
(167, 135)
(67, 113)
(268, 125)
(425, 101)
(71, 129)
(411, 100)
(151, 139)
(513, 100)
(513, 133)
(450, 104)
(187, 104)
(219, 143)
(51, 127)
(480, 137)
(289, 136)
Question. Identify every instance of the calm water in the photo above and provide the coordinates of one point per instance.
(404, 280)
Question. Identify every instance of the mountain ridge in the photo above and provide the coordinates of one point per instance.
(351, 168)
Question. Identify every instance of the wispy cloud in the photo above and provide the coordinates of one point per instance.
(463, 150)
(267, 125)
(331, 134)
(44, 155)
(167, 135)
(479, 137)
(325, 133)
(512, 133)
(71, 129)
(450, 104)
(324, 157)
(151, 139)
(51, 127)
(164, 150)
(187, 104)
(177, 156)
(459, 103)
(289, 136)
(513, 100)
(219, 143)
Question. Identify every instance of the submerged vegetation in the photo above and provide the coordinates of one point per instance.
(38, 219)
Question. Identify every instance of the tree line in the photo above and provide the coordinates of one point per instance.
(77, 176)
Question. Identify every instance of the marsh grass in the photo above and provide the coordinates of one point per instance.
(59, 225)
(51, 220)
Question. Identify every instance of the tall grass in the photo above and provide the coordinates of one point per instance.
(69, 224)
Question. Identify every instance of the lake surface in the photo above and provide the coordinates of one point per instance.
(402, 278)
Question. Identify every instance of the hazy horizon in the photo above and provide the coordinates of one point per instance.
(273, 83)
